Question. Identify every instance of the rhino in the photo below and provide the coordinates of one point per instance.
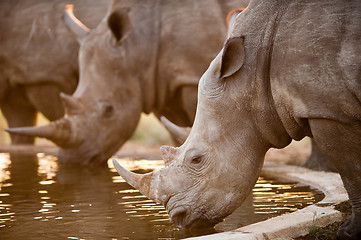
(288, 70)
(142, 57)
(38, 58)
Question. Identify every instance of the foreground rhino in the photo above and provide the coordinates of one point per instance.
(141, 58)
(289, 69)
(38, 58)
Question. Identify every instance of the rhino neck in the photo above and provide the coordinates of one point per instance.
(283, 127)
(260, 34)
(144, 45)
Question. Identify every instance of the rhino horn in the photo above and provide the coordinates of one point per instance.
(71, 104)
(231, 17)
(75, 25)
(142, 182)
(180, 134)
(168, 154)
(58, 131)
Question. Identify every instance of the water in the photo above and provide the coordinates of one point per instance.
(41, 200)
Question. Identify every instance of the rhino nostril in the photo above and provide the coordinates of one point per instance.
(179, 218)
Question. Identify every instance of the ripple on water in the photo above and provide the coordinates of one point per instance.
(40, 199)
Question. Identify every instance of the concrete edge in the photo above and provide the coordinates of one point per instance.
(299, 223)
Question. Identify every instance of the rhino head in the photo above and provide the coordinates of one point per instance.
(104, 110)
(212, 173)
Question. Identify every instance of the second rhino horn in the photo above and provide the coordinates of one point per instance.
(168, 154)
(179, 134)
(75, 25)
(71, 104)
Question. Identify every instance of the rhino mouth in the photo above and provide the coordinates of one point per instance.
(178, 217)
(83, 156)
(177, 214)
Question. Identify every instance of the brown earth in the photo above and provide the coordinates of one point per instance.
(329, 232)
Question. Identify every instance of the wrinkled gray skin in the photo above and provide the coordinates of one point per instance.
(289, 69)
(38, 58)
(142, 57)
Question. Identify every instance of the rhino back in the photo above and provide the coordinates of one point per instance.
(316, 65)
(35, 44)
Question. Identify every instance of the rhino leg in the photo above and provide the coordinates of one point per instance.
(317, 161)
(18, 113)
(341, 144)
(46, 99)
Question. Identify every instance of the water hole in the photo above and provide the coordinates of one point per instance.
(40, 199)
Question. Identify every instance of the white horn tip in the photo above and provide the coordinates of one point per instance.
(165, 121)
(131, 178)
(117, 166)
(69, 6)
(127, 175)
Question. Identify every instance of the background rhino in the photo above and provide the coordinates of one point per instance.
(39, 61)
(38, 58)
(142, 57)
(289, 69)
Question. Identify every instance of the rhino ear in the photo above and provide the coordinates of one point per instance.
(232, 57)
(119, 23)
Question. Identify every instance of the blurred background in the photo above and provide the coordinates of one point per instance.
(149, 132)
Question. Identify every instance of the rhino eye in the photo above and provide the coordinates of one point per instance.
(196, 160)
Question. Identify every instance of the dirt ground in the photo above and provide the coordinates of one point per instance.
(329, 232)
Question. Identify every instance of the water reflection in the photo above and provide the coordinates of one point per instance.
(39, 199)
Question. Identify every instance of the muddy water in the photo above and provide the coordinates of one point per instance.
(41, 200)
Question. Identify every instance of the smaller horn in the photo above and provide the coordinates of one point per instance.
(231, 17)
(168, 154)
(71, 104)
(179, 134)
(58, 131)
(75, 25)
(232, 14)
(142, 182)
